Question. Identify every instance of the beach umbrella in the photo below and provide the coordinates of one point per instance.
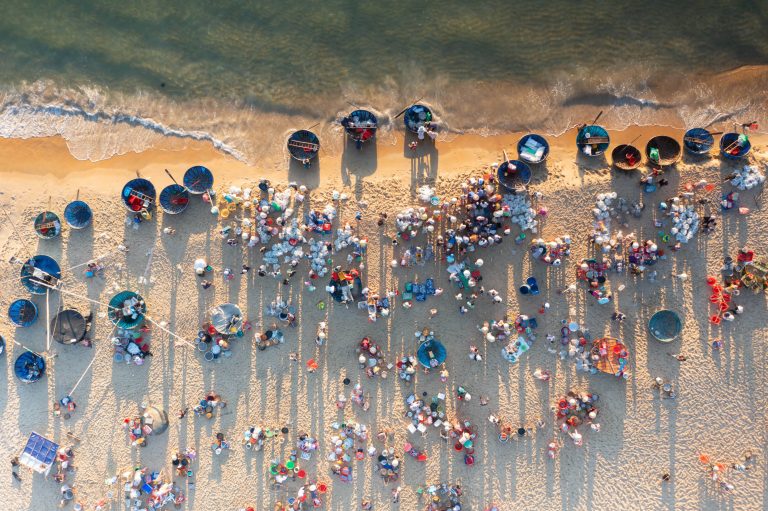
(139, 195)
(78, 214)
(514, 174)
(47, 225)
(29, 367)
(174, 199)
(227, 318)
(533, 148)
(303, 145)
(429, 351)
(127, 309)
(40, 273)
(68, 327)
(22, 313)
(198, 179)
(665, 325)
(39, 454)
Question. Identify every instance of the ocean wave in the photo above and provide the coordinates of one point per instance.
(97, 123)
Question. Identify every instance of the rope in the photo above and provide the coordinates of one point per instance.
(169, 332)
(81, 377)
(47, 321)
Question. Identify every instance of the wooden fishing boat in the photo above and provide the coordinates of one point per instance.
(417, 116)
(609, 355)
(734, 146)
(360, 125)
(303, 145)
(533, 148)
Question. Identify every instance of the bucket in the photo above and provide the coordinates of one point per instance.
(209, 356)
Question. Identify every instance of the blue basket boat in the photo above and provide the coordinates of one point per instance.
(22, 313)
(665, 325)
(431, 353)
(360, 125)
(734, 146)
(416, 116)
(127, 309)
(513, 175)
(78, 214)
(303, 145)
(40, 273)
(198, 180)
(533, 148)
(698, 141)
(47, 225)
(29, 367)
(174, 199)
(139, 195)
(593, 140)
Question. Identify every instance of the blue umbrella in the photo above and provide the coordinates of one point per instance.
(174, 199)
(431, 353)
(29, 367)
(78, 214)
(303, 145)
(198, 179)
(22, 313)
(40, 272)
(139, 194)
(47, 225)
(126, 309)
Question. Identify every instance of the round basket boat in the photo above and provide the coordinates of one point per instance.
(39, 274)
(139, 195)
(47, 225)
(127, 309)
(533, 148)
(68, 327)
(22, 313)
(593, 140)
(698, 141)
(303, 145)
(417, 116)
(665, 325)
(667, 148)
(29, 367)
(431, 353)
(174, 199)
(227, 319)
(198, 180)
(78, 214)
(626, 157)
(360, 125)
(734, 146)
(514, 174)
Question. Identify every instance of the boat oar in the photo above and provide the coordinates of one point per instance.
(169, 175)
(313, 126)
(506, 158)
(409, 106)
(598, 117)
(634, 139)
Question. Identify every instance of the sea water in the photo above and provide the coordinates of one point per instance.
(113, 77)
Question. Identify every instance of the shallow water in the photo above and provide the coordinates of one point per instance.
(113, 77)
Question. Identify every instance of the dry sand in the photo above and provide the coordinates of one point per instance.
(722, 397)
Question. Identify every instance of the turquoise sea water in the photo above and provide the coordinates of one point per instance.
(117, 76)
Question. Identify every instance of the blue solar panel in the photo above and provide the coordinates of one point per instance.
(41, 449)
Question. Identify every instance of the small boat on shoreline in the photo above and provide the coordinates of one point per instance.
(533, 148)
(417, 116)
(593, 140)
(198, 180)
(174, 199)
(361, 126)
(78, 214)
(303, 146)
(698, 141)
(663, 151)
(734, 146)
(626, 157)
(514, 175)
(47, 225)
(139, 195)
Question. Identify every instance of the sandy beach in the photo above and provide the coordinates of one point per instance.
(721, 394)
